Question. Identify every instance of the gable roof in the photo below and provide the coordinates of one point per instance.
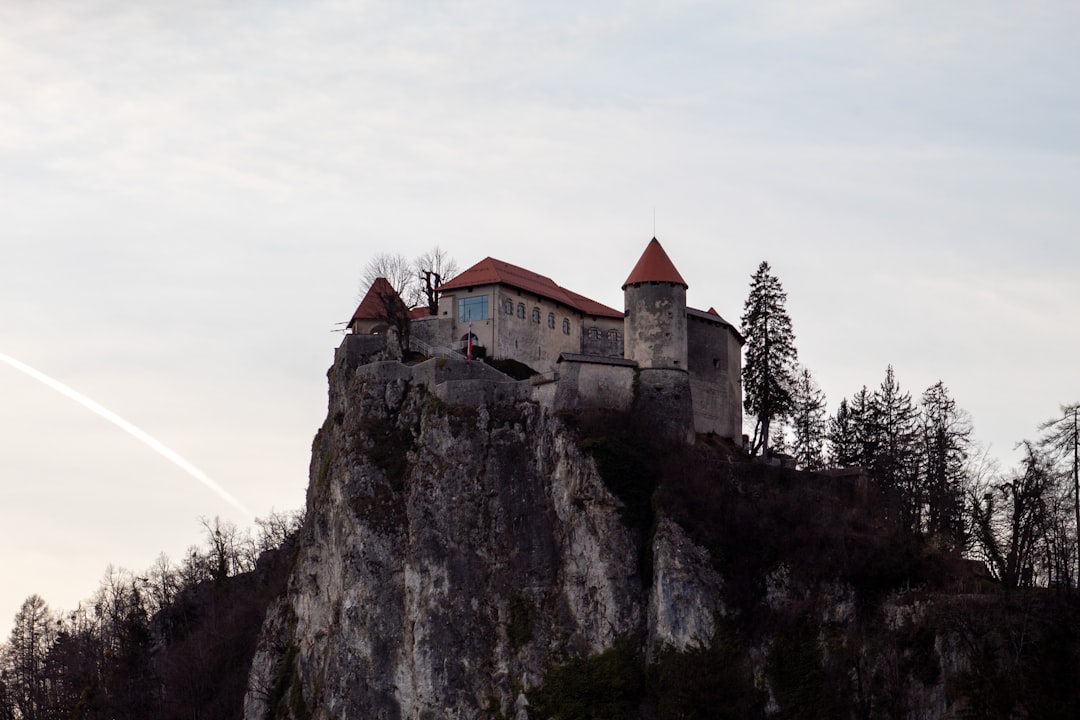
(373, 306)
(490, 271)
(654, 265)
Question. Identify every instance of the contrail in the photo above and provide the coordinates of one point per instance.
(123, 424)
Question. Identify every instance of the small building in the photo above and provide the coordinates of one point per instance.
(376, 312)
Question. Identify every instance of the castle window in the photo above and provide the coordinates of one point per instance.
(594, 333)
(474, 308)
(551, 320)
(565, 326)
(536, 315)
(521, 310)
(613, 335)
(508, 307)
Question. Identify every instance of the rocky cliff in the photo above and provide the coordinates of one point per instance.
(468, 554)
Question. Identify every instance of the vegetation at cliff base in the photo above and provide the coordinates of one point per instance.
(172, 643)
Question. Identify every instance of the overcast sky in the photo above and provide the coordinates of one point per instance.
(189, 191)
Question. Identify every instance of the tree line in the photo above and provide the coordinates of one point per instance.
(145, 644)
(1021, 522)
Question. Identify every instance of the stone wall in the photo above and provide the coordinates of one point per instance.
(664, 397)
(433, 330)
(656, 325)
(530, 329)
(603, 336)
(591, 385)
(714, 359)
(359, 349)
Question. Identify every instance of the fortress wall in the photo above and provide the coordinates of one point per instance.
(731, 387)
(440, 370)
(665, 397)
(435, 330)
(474, 393)
(714, 358)
(359, 349)
(592, 385)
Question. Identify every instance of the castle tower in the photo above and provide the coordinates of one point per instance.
(655, 338)
(655, 325)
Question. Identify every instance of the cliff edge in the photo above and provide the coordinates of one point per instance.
(468, 553)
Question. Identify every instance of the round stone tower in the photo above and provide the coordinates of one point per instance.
(655, 325)
(655, 338)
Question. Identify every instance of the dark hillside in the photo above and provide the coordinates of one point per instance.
(846, 611)
(206, 639)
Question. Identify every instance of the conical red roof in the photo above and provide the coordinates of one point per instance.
(654, 265)
(375, 304)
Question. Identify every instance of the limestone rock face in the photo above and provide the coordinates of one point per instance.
(459, 543)
(449, 554)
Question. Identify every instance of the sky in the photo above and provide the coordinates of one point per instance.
(189, 193)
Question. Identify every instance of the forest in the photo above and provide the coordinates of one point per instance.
(1021, 523)
(169, 642)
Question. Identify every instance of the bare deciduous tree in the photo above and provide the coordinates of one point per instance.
(808, 421)
(1010, 519)
(398, 271)
(1063, 439)
(432, 269)
(416, 281)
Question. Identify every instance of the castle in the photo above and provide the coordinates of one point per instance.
(680, 364)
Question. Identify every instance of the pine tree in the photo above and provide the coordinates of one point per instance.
(808, 422)
(852, 439)
(945, 436)
(843, 443)
(769, 371)
(892, 433)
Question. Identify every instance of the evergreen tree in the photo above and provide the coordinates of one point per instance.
(867, 435)
(892, 433)
(769, 371)
(843, 442)
(945, 436)
(852, 438)
(808, 422)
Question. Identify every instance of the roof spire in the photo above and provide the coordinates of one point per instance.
(654, 265)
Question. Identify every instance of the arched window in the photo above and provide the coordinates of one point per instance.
(551, 320)
(594, 333)
(536, 315)
(566, 326)
(508, 307)
(521, 310)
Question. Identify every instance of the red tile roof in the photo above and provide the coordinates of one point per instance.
(590, 307)
(654, 265)
(373, 306)
(490, 271)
